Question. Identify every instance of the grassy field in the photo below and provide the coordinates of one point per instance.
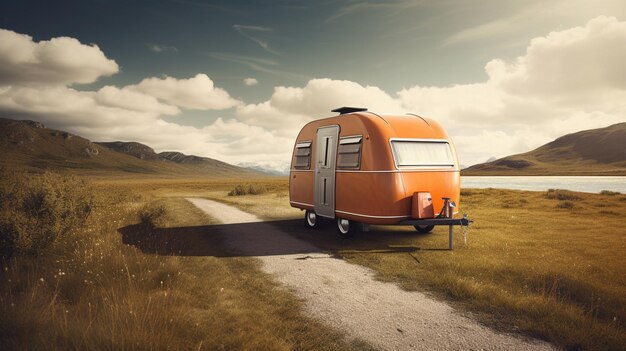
(548, 264)
(129, 278)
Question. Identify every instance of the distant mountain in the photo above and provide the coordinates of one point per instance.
(267, 169)
(590, 152)
(31, 146)
(492, 158)
(141, 151)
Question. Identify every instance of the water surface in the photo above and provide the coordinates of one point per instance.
(589, 184)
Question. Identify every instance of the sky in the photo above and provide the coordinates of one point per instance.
(236, 80)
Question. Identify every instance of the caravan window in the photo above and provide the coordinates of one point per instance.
(349, 153)
(303, 155)
(422, 153)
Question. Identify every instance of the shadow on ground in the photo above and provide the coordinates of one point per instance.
(283, 237)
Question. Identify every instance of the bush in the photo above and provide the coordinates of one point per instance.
(151, 216)
(37, 211)
(250, 189)
(560, 194)
(467, 192)
(565, 204)
(610, 193)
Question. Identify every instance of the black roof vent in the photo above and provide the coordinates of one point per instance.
(344, 110)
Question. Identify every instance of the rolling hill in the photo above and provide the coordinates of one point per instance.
(590, 152)
(30, 146)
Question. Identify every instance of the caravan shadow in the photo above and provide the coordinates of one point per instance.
(283, 237)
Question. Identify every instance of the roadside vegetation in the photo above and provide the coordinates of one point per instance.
(91, 266)
(249, 189)
(548, 264)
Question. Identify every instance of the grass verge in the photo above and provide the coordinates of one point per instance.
(547, 264)
(114, 283)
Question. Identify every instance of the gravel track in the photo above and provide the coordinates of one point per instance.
(347, 297)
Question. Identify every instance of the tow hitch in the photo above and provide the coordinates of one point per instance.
(445, 218)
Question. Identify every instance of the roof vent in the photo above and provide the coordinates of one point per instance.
(344, 110)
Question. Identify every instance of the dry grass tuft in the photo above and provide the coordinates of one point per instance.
(560, 194)
(250, 189)
(151, 215)
(610, 193)
(565, 204)
(39, 211)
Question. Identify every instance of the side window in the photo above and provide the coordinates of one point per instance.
(303, 155)
(350, 152)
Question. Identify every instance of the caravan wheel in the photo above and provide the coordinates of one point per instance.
(424, 229)
(346, 227)
(311, 220)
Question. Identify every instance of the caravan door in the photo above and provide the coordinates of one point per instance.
(325, 160)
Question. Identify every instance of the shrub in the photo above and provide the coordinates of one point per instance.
(256, 189)
(560, 194)
(238, 190)
(610, 193)
(565, 204)
(467, 192)
(37, 211)
(250, 189)
(151, 215)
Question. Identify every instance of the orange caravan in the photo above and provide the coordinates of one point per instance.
(363, 168)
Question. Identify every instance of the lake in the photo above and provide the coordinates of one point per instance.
(538, 183)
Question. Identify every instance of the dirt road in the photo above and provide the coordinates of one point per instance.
(347, 296)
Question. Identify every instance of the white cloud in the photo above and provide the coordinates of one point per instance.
(66, 107)
(161, 48)
(197, 93)
(567, 81)
(132, 100)
(250, 81)
(59, 60)
(574, 61)
(289, 108)
(110, 114)
(292, 106)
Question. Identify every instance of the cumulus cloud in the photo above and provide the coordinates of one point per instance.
(129, 99)
(59, 60)
(566, 81)
(573, 61)
(250, 81)
(290, 107)
(197, 93)
(122, 114)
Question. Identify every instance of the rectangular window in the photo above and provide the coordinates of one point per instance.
(411, 153)
(303, 155)
(350, 152)
(326, 151)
